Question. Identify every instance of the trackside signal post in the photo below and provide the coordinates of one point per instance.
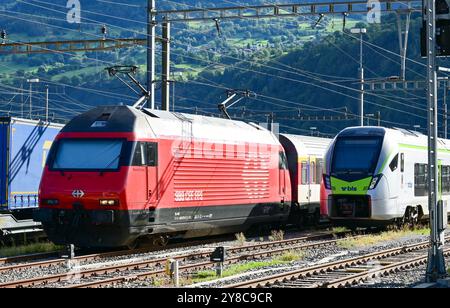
(436, 268)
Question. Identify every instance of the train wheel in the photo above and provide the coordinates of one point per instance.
(133, 245)
(161, 241)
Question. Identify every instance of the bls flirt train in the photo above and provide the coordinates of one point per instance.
(377, 176)
(117, 174)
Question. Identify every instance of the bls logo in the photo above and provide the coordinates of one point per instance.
(74, 14)
(374, 14)
(350, 188)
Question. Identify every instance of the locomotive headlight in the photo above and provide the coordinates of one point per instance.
(109, 202)
(327, 182)
(375, 180)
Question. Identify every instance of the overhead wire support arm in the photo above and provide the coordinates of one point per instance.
(321, 16)
(284, 10)
(128, 71)
(232, 94)
(70, 45)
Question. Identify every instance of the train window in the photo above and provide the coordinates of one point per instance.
(319, 171)
(445, 180)
(145, 154)
(87, 154)
(402, 162)
(139, 154)
(313, 171)
(304, 173)
(152, 154)
(420, 180)
(394, 163)
(283, 164)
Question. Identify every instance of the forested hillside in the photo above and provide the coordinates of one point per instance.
(290, 65)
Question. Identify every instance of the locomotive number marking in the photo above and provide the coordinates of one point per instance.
(188, 195)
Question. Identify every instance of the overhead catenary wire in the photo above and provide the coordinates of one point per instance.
(288, 79)
(348, 88)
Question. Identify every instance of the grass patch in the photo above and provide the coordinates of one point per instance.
(370, 240)
(276, 235)
(240, 238)
(339, 230)
(28, 249)
(236, 269)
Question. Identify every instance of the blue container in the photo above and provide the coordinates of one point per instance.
(24, 146)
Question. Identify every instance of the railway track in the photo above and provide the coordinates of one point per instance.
(39, 260)
(348, 272)
(155, 267)
(29, 257)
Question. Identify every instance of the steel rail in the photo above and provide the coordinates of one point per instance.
(383, 271)
(233, 260)
(327, 268)
(99, 256)
(29, 257)
(252, 250)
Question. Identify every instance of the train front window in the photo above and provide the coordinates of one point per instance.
(356, 156)
(88, 154)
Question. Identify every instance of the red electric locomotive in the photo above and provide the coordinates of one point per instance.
(116, 174)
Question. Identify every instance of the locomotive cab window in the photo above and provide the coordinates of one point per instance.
(145, 154)
(103, 154)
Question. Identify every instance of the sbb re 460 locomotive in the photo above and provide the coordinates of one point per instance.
(117, 174)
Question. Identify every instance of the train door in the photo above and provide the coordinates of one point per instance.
(304, 181)
(396, 176)
(144, 174)
(282, 174)
(404, 183)
(152, 173)
(314, 188)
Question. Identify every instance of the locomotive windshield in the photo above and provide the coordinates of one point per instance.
(87, 154)
(356, 156)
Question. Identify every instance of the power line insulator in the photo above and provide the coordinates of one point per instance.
(217, 21)
(104, 31)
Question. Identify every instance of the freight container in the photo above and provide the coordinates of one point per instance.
(24, 146)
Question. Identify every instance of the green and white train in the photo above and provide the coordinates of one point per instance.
(376, 176)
